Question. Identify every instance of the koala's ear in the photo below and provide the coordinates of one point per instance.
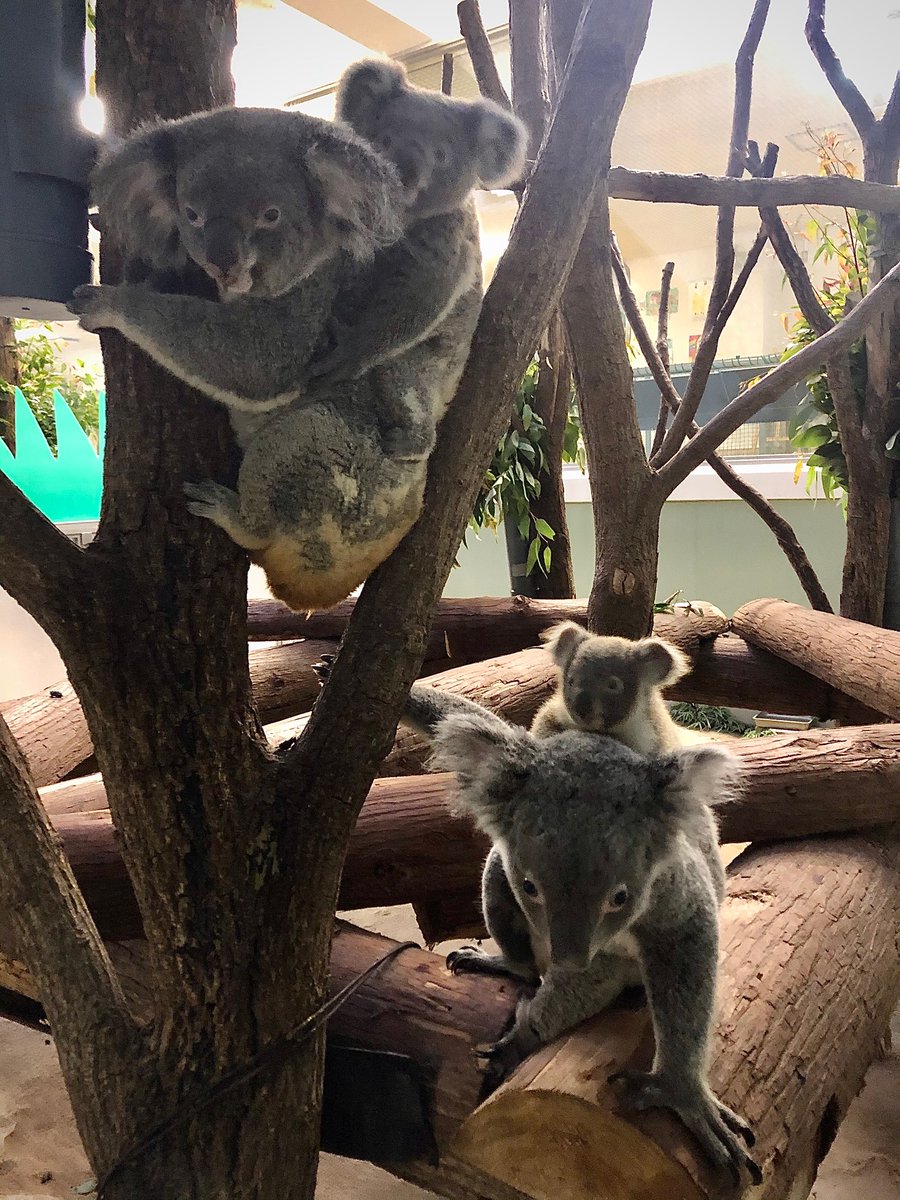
(563, 640)
(133, 185)
(499, 143)
(361, 193)
(489, 758)
(661, 662)
(710, 773)
(365, 86)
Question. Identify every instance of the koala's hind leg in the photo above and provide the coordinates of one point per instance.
(507, 926)
(222, 506)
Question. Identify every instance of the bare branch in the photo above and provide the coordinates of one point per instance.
(447, 74)
(724, 267)
(780, 378)
(740, 283)
(473, 33)
(39, 566)
(890, 118)
(712, 190)
(662, 350)
(845, 89)
(56, 933)
(782, 530)
(529, 100)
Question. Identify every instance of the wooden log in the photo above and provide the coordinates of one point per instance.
(51, 731)
(861, 660)
(728, 671)
(473, 629)
(407, 848)
(809, 978)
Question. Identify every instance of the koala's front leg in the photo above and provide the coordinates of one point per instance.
(506, 924)
(427, 707)
(565, 998)
(679, 970)
(236, 353)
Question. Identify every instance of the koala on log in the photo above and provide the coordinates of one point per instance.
(604, 872)
(612, 685)
(442, 149)
(272, 206)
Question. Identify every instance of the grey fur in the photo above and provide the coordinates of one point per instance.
(612, 685)
(611, 860)
(319, 502)
(442, 149)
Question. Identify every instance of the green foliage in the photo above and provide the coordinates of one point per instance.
(667, 606)
(711, 718)
(42, 371)
(512, 481)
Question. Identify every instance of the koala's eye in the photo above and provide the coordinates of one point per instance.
(192, 215)
(613, 685)
(271, 216)
(529, 888)
(618, 899)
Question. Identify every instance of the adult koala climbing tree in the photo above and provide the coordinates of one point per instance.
(235, 855)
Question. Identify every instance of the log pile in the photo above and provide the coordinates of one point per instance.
(810, 928)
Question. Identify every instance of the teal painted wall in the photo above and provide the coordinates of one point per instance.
(715, 550)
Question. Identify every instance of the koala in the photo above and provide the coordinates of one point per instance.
(604, 872)
(611, 685)
(273, 207)
(442, 148)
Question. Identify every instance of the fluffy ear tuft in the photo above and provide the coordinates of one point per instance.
(563, 640)
(364, 87)
(708, 774)
(361, 193)
(489, 757)
(663, 663)
(499, 144)
(133, 185)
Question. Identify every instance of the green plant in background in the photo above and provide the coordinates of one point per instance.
(512, 481)
(710, 718)
(42, 371)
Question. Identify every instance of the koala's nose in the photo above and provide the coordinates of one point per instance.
(581, 705)
(222, 242)
(409, 171)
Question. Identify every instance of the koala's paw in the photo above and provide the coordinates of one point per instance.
(323, 667)
(216, 503)
(469, 960)
(502, 1058)
(94, 306)
(714, 1125)
(413, 443)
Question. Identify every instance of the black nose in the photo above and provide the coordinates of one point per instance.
(222, 239)
(581, 704)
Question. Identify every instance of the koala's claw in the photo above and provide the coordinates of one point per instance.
(712, 1123)
(323, 667)
(467, 960)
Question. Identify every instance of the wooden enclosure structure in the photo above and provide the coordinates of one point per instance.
(811, 960)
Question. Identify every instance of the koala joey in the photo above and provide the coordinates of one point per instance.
(604, 872)
(442, 148)
(611, 685)
(272, 206)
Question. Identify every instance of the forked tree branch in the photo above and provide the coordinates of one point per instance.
(812, 308)
(843, 87)
(712, 190)
(472, 29)
(662, 351)
(788, 373)
(724, 265)
(39, 567)
(56, 933)
(781, 528)
(385, 640)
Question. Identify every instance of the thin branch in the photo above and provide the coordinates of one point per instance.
(39, 566)
(662, 350)
(713, 190)
(781, 528)
(473, 33)
(844, 88)
(890, 118)
(447, 74)
(788, 373)
(528, 69)
(724, 265)
(56, 933)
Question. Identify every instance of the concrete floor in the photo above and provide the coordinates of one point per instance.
(41, 1156)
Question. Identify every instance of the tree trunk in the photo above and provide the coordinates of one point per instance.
(9, 374)
(820, 915)
(862, 660)
(406, 847)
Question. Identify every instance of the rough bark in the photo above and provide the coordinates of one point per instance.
(406, 847)
(473, 32)
(51, 732)
(662, 353)
(861, 660)
(661, 187)
(9, 374)
(820, 912)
